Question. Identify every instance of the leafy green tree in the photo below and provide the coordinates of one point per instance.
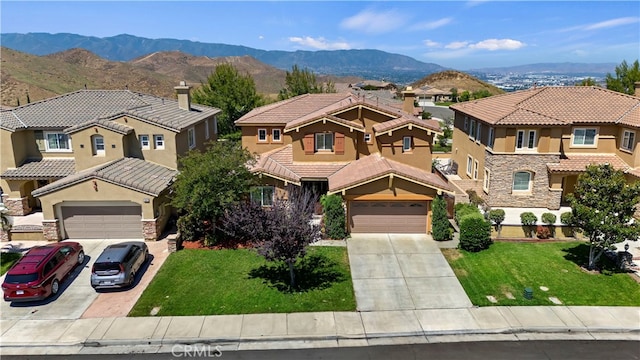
(481, 94)
(587, 82)
(233, 93)
(334, 217)
(625, 78)
(298, 82)
(447, 134)
(497, 217)
(454, 94)
(465, 96)
(602, 206)
(207, 184)
(440, 221)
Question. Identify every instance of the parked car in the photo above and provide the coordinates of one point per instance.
(118, 264)
(37, 275)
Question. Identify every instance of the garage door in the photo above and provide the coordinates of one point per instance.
(403, 217)
(102, 222)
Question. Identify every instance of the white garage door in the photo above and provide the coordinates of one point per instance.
(403, 217)
(102, 222)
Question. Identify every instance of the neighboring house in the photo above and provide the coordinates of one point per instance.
(99, 163)
(527, 148)
(376, 157)
(428, 95)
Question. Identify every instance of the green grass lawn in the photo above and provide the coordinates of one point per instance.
(212, 282)
(7, 260)
(511, 267)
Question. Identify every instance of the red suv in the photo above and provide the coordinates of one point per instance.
(37, 275)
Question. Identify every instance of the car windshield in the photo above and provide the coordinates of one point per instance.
(106, 266)
(20, 278)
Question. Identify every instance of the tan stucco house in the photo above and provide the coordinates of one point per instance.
(527, 148)
(378, 158)
(99, 163)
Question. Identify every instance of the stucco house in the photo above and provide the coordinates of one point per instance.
(527, 148)
(99, 163)
(378, 158)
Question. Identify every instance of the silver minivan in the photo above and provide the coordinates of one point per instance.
(118, 265)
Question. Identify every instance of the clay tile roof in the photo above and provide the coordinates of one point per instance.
(103, 123)
(554, 106)
(279, 163)
(429, 125)
(311, 118)
(41, 169)
(132, 173)
(375, 166)
(579, 162)
(632, 118)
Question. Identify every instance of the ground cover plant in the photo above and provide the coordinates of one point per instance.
(7, 259)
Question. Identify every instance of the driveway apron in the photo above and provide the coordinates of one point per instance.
(402, 272)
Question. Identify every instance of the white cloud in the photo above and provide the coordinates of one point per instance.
(319, 43)
(456, 45)
(372, 22)
(497, 44)
(612, 23)
(432, 24)
(431, 43)
(260, 37)
(580, 53)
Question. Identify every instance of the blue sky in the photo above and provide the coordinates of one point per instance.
(457, 34)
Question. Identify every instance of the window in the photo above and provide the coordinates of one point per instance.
(262, 195)
(158, 142)
(262, 135)
(485, 181)
(526, 140)
(628, 139)
(367, 138)
(406, 144)
(58, 142)
(479, 133)
(98, 145)
(584, 137)
(469, 165)
(144, 142)
(472, 129)
(522, 181)
(206, 129)
(466, 123)
(191, 134)
(324, 141)
(492, 138)
(276, 135)
(476, 165)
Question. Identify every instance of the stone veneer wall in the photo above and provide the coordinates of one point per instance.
(151, 229)
(503, 166)
(51, 230)
(17, 207)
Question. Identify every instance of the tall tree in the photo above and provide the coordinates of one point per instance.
(587, 82)
(625, 78)
(440, 220)
(207, 184)
(233, 93)
(602, 205)
(298, 82)
(281, 232)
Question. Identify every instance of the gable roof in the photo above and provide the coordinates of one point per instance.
(374, 167)
(557, 106)
(573, 163)
(78, 107)
(103, 123)
(41, 169)
(429, 125)
(132, 173)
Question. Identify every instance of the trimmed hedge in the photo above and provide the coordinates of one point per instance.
(464, 209)
(334, 217)
(475, 233)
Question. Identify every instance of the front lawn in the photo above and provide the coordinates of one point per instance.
(508, 268)
(214, 282)
(7, 259)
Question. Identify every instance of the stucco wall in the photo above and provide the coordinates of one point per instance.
(83, 147)
(250, 139)
(350, 141)
(132, 148)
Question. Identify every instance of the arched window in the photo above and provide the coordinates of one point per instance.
(522, 181)
(97, 142)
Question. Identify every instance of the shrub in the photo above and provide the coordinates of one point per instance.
(475, 233)
(440, 229)
(543, 232)
(497, 217)
(464, 209)
(333, 216)
(528, 220)
(566, 218)
(548, 218)
(474, 198)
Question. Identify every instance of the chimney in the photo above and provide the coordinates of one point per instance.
(636, 86)
(184, 96)
(409, 99)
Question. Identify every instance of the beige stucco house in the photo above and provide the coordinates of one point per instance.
(527, 148)
(378, 158)
(99, 163)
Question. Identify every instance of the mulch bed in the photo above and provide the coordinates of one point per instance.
(199, 244)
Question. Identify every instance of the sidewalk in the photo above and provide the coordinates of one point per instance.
(323, 329)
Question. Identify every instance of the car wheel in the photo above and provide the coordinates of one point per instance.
(132, 277)
(55, 287)
(81, 257)
(146, 255)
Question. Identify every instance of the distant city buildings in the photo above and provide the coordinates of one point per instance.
(516, 81)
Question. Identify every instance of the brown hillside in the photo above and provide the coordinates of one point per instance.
(445, 80)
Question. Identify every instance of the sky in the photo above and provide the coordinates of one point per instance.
(458, 34)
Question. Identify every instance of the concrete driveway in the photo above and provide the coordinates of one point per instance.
(402, 272)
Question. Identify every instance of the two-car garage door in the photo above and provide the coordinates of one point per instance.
(106, 221)
(402, 217)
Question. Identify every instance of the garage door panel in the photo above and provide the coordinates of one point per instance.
(98, 222)
(388, 216)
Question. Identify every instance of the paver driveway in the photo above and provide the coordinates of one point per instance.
(402, 272)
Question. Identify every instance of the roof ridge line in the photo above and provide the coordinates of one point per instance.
(636, 106)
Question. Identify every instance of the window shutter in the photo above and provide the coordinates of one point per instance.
(339, 145)
(308, 144)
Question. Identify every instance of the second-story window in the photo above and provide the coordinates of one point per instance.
(479, 132)
(158, 142)
(324, 141)
(58, 142)
(472, 130)
(526, 140)
(144, 142)
(628, 140)
(584, 137)
(262, 135)
(98, 145)
(406, 144)
(276, 135)
(191, 135)
(492, 138)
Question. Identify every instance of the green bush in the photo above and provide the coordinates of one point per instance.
(463, 209)
(528, 218)
(566, 218)
(474, 198)
(475, 233)
(549, 218)
(333, 216)
(440, 228)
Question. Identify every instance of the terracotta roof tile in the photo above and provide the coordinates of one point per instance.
(103, 123)
(41, 169)
(279, 163)
(579, 162)
(311, 118)
(431, 125)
